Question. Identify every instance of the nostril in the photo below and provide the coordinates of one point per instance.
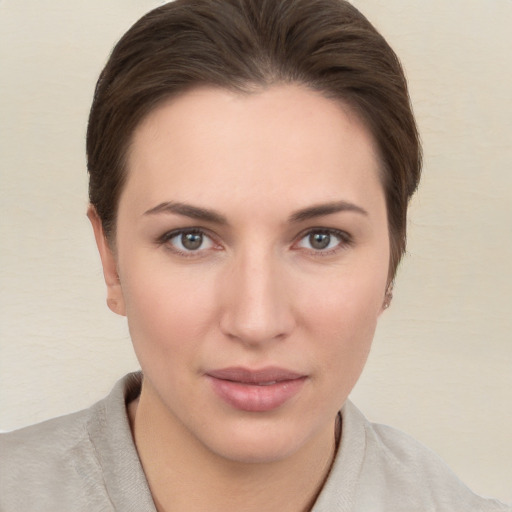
(256, 327)
(254, 306)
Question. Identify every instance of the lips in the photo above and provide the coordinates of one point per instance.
(259, 390)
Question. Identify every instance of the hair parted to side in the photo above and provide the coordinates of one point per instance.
(244, 45)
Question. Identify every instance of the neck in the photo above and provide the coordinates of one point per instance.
(184, 475)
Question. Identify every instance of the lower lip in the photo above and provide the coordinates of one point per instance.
(254, 398)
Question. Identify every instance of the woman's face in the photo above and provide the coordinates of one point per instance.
(252, 252)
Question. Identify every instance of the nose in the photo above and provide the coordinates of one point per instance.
(256, 302)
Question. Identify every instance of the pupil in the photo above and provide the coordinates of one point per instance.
(319, 240)
(191, 241)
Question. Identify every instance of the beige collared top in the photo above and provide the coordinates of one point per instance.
(87, 461)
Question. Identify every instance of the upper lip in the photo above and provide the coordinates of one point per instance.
(256, 376)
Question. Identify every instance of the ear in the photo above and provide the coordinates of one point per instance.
(115, 298)
(388, 297)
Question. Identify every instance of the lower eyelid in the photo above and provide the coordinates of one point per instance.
(166, 238)
(343, 237)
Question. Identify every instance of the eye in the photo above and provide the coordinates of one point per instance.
(188, 240)
(324, 240)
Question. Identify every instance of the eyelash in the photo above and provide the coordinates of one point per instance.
(166, 238)
(345, 240)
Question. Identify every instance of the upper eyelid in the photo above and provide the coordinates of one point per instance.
(319, 229)
(193, 229)
(168, 235)
(346, 240)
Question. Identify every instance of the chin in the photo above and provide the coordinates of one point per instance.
(260, 442)
(256, 451)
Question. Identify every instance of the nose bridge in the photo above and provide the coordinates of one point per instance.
(256, 308)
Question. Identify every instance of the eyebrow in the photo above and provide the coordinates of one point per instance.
(207, 215)
(187, 210)
(320, 210)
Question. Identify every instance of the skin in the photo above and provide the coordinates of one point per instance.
(255, 293)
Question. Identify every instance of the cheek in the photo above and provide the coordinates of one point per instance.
(346, 332)
(346, 300)
(168, 311)
(343, 320)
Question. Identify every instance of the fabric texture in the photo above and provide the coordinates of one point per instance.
(87, 461)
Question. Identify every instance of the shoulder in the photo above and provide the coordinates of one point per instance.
(51, 439)
(36, 460)
(408, 464)
(394, 472)
(66, 463)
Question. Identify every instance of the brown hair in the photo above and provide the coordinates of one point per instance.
(327, 45)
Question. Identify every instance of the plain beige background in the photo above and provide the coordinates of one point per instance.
(441, 366)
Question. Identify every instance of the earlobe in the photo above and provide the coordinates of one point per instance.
(115, 298)
(388, 297)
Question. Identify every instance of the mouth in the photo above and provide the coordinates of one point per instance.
(260, 390)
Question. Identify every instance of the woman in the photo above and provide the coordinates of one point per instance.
(251, 163)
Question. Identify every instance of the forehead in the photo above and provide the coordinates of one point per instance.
(281, 140)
